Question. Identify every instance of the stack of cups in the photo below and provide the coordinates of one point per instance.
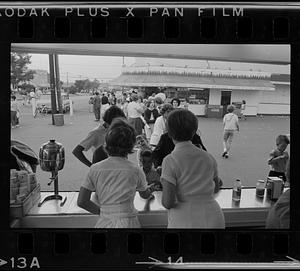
(32, 181)
(24, 188)
(14, 185)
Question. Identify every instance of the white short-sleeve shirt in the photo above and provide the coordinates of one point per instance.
(158, 129)
(133, 110)
(94, 139)
(115, 180)
(230, 121)
(191, 170)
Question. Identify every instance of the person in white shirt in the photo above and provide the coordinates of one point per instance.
(231, 124)
(243, 108)
(115, 181)
(189, 178)
(32, 94)
(160, 124)
(39, 94)
(135, 110)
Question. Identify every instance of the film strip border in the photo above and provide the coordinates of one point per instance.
(121, 249)
(171, 23)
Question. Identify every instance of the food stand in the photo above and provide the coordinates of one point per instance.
(250, 212)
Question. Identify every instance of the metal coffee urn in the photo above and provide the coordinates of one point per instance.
(52, 159)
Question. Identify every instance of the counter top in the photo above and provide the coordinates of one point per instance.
(249, 200)
(251, 211)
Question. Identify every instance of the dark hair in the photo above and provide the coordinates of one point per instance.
(283, 138)
(182, 125)
(134, 97)
(146, 153)
(113, 112)
(13, 97)
(149, 101)
(97, 93)
(104, 100)
(120, 138)
(175, 99)
(166, 108)
(230, 108)
(243, 101)
(158, 100)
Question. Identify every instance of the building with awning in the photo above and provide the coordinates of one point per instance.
(204, 86)
(185, 81)
(205, 74)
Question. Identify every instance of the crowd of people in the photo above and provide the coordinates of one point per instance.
(15, 106)
(171, 158)
(114, 179)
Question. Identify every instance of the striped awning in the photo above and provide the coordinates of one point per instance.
(182, 81)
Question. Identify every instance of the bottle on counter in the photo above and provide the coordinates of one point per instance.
(260, 188)
(237, 190)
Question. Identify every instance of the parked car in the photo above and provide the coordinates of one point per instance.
(46, 100)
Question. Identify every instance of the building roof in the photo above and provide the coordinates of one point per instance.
(210, 64)
(165, 80)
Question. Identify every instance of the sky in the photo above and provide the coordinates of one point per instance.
(104, 68)
(83, 67)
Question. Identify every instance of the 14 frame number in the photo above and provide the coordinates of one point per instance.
(22, 262)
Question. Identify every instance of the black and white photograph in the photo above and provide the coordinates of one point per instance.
(189, 136)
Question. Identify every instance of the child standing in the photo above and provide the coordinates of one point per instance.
(231, 124)
(279, 157)
(115, 181)
(243, 108)
(152, 176)
(142, 144)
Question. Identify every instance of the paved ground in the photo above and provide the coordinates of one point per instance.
(250, 147)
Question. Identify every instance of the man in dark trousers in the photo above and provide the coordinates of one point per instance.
(97, 106)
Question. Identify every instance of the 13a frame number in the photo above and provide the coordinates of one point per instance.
(22, 262)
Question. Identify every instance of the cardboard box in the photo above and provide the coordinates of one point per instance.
(18, 210)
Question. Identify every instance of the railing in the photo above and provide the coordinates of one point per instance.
(191, 71)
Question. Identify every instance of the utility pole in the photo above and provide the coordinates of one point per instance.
(52, 86)
(57, 81)
(67, 79)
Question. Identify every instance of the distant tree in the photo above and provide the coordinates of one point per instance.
(71, 90)
(94, 85)
(86, 85)
(80, 84)
(19, 71)
(25, 88)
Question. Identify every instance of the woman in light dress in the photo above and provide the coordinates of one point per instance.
(115, 181)
(189, 178)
